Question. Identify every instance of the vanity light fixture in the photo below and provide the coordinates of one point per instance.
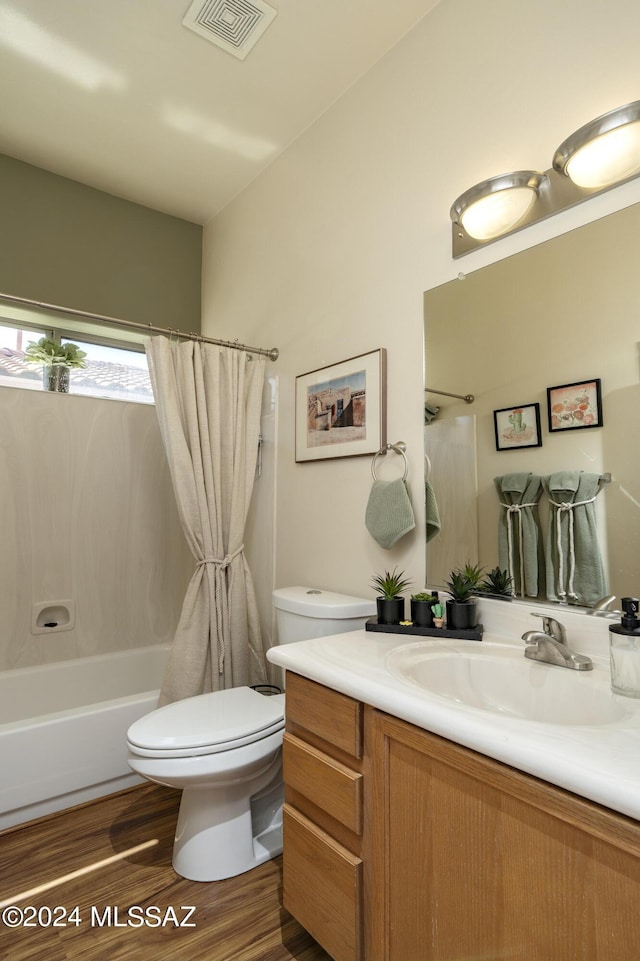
(603, 152)
(495, 206)
(598, 156)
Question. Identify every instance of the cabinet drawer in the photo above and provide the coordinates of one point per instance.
(322, 887)
(326, 782)
(332, 716)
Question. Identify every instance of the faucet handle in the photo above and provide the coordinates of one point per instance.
(552, 627)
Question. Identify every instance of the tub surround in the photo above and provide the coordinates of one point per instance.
(91, 521)
(599, 762)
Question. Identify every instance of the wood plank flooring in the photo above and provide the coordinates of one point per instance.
(114, 854)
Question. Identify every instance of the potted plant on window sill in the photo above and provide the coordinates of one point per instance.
(422, 608)
(389, 602)
(56, 359)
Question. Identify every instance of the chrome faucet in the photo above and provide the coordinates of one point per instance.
(550, 646)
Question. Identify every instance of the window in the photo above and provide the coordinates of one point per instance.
(14, 372)
(115, 368)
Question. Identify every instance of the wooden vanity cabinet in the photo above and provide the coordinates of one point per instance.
(473, 859)
(400, 845)
(323, 816)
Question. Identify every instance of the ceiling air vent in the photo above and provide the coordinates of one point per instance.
(234, 25)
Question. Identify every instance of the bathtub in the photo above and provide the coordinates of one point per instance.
(63, 729)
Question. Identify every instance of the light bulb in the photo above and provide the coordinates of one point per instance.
(497, 213)
(610, 158)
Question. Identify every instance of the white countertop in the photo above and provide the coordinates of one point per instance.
(598, 762)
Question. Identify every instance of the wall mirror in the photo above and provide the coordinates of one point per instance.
(563, 312)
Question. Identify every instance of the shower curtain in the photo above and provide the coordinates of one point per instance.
(208, 401)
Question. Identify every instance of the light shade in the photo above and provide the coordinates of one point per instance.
(496, 206)
(603, 152)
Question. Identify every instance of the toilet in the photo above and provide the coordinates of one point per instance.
(224, 750)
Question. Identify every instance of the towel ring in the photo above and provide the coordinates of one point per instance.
(399, 448)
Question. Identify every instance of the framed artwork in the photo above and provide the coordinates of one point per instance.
(341, 410)
(517, 427)
(575, 406)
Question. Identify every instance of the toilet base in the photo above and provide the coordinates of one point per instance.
(246, 833)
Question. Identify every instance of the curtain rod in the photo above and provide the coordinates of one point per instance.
(272, 353)
(467, 398)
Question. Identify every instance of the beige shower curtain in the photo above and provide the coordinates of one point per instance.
(208, 401)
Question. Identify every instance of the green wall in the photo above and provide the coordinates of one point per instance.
(67, 244)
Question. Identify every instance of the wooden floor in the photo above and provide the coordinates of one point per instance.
(130, 903)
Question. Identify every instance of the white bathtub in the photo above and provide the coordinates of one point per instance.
(63, 729)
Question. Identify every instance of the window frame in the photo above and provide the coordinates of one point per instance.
(84, 331)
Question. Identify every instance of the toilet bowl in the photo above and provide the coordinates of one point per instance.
(224, 750)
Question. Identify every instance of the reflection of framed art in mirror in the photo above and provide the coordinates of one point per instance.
(575, 406)
(517, 427)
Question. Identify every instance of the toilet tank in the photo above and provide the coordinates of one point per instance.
(306, 612)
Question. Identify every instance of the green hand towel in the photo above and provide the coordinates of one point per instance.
(520, 548)
(575, 571)
(433, 514)
(389, 515)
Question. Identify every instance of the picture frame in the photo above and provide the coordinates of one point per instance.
(517, 427)
(576, 406)
(341, 410)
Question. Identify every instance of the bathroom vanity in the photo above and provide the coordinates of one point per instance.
(323, 883)
(401, 844)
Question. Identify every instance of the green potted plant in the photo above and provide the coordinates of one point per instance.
(389, 602)
(474, 575)
(438, 615)
(498, 583)
(55, 359)
(422, 608)
(462, 609)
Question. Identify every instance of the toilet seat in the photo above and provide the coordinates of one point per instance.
(207, 724)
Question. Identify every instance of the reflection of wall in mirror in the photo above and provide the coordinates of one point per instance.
(450, 446)
(559, 313)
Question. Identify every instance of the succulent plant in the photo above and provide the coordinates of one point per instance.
(390, 584)
(465, 581)
(424, 596)
(458, 586)
(474, 574)
(498, 582)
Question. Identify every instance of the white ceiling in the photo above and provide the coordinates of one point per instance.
(119, 95)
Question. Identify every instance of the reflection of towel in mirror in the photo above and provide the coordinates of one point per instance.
(520, 550)
(574, 564)
(430, 413)
(433, 514)
(389, 515)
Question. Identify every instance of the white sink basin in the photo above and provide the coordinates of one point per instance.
(500, 680)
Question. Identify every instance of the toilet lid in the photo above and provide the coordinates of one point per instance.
(207, 723)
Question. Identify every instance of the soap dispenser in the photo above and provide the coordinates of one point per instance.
(625, 650)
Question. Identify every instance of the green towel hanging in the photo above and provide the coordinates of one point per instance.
(520, 549)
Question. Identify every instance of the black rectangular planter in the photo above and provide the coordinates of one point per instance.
(412, 629)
